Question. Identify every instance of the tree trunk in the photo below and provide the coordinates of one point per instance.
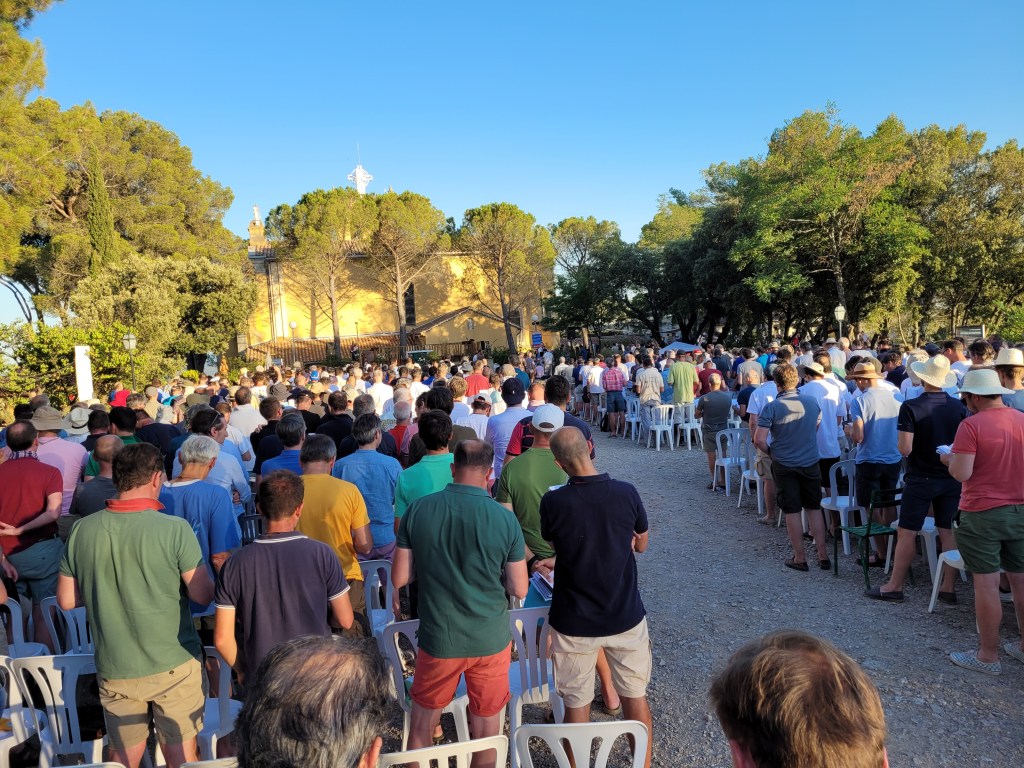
(312, 313)
(507, 322)
(403, 335)
(335, 323)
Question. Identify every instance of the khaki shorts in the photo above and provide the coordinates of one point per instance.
(575, 658)
(178, 698)
(763, 465)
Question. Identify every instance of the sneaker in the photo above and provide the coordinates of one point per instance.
(1013, 649)
(969, 660)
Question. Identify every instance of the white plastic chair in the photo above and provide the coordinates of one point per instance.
(56, 678)
(120, 765)
(632, 419)
(952, 559)
(18, 647)
(221, 712)
(530, 678)
(689, 425)
(460, 704)
(929, 534)
(224, 762)
(378, 611)
(68, 629)
(730, 454)
(462, 751)
(661, 424)
(602, 407)
(23, 723)
(844, 505)
(581, 737)
(750, 475)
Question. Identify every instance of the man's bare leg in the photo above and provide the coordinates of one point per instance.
(638, 709)
(816, 525)
(989, 612)
(176, 754)
(482, 727)
(604, 675)
(903, 555)
(422, 723)
(129, 756)
(948, 574)
(795, 531)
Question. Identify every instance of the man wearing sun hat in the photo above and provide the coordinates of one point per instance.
(69, 458)
(925, 423)
(1010, 367)
(988, 459)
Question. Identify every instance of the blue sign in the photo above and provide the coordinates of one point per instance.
(536, 339)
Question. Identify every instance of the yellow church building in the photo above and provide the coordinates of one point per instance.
(290, 322)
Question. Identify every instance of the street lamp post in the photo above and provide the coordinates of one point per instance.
(840, 314)
(293, 325)
(130, 342)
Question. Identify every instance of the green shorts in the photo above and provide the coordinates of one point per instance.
(38, 567)
(992, 539)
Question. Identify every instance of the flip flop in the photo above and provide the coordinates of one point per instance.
(1013, 649)
(969, 660)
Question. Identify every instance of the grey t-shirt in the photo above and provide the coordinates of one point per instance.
(715, 407)
(792, 419)
(92, 496)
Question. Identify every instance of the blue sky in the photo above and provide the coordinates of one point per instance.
(563, 108)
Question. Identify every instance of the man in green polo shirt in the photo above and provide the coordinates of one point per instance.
(682, 377)
(431, 473)
(528, 477)
(466, 552)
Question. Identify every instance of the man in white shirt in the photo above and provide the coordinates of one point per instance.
(830, 402)
(499, 427)
(953, 350)
(836, 354)
(244, 417)
(380, 392)
(759, 398)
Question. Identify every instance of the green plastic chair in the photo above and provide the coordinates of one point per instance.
(881, 499)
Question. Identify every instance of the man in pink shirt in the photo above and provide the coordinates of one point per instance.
(988, 459)
(66, 457)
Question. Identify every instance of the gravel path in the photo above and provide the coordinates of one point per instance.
(714, 578)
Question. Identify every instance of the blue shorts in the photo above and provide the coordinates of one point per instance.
(615, 402)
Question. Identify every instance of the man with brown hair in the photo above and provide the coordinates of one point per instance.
(792, 699)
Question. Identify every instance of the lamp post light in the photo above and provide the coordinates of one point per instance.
(293, 325)
(130, 342)
(840, 314)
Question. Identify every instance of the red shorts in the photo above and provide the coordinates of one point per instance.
(436, 680)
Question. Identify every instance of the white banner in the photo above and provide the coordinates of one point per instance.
(83, 373)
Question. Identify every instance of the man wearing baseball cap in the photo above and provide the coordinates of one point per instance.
(988, 459)
(925, 423)
(500, 427)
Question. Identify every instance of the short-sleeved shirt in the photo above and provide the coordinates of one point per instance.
(715, 409)
(649, 385)
(743, 398)
(522, 435)
(331, 510)
(704, 376)
(376, 476)
(69, 459)
(499, 432)
(613, 380)
(879, 411)
(933, 419)
(830, 401)
(429, 475)
(92, 467)
(523, 483)
(24, 485)
(682, 376)
(93, 496)
(288, 459)
(208, 509)
(279, 587)
(461, 539)
(996, 438)
(591, 522)
(1016, 400)
(128, 566)
(792, 419)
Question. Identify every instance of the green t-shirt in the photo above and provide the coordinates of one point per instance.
(128, 566)
(461, 540)
(428, 475)
(92, 467)
(681, 377)
(523, 482)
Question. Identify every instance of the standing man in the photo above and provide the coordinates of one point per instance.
(614, 381)
(923, 424)
(875, 414)
(757, 401)
(649, 386)
(135, 569)
(682, 377)
(1010, 367)
(988, 458)
(595, 525)
(791, 420)
(283, 586)
(465, 551)
(501, 426)
(333, 511)
(244, 416)
(66, 457)
(830, 402)
(713, 408)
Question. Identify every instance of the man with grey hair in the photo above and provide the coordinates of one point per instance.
(339, 684)
(403, 417)
(207, 508)
(362, 405)
(291, 431)
(375, 475)
(564, 370)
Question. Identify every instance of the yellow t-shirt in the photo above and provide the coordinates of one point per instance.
(331, 509)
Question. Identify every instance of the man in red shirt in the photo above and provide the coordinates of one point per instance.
(704, 376)
(988, 459)
(30, 503)
(476, 381)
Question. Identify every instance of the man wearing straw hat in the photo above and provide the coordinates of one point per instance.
(1010, 367)
(925, 423)
(874, 413)
(988, 459)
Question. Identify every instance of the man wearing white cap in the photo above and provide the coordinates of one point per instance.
(925, 423)
(988, 458)
(836, 354)
(1010, 367)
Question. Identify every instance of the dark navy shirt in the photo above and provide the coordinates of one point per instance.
(933, 419)
(590, 522)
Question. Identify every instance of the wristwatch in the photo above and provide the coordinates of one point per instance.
(530, 563)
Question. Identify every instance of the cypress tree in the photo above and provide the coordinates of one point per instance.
(99, 218)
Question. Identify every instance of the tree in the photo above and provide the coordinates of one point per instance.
(511, 256)
(404, 247)
(575, 240)
(321, 236)
(677, 215)
(99, 219)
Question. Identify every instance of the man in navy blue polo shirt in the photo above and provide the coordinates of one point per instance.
(595, 524)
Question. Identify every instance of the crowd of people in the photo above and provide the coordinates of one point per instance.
(470, 478)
